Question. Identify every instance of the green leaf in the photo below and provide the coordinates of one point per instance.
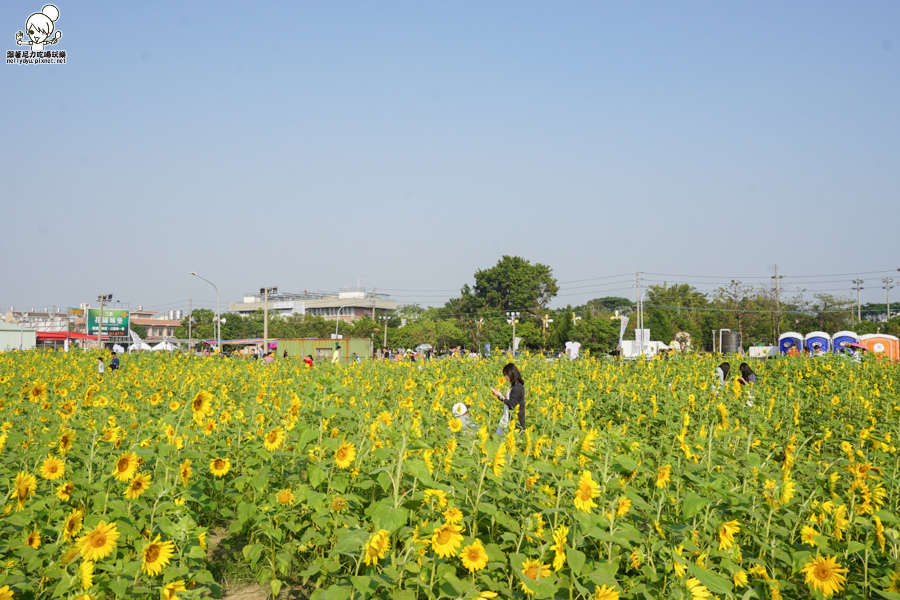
(692, 505)
(575, 559)
(387, 517)
(419, 470)
(252, 552)
(315, 474)
(714, 582)
(625, 464)
(349, 542)
(365, 585)
(855, 547)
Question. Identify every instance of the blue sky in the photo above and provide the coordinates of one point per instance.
(405, 145)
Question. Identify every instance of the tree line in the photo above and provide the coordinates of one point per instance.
(480, 315)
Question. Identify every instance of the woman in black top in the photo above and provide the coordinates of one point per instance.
(515, 396)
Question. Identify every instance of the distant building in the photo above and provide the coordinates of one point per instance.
(348, 306)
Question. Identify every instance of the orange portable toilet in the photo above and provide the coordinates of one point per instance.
(881, 345)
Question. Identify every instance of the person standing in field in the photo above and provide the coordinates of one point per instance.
(336, 355)
(514, 398)
(748, 378)
(100, 366)
(114, 363)
(722, 374)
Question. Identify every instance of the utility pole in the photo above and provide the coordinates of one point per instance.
(385, 319)
(266, 291)
(887, 281)
(858, 283)
(190, 323)
(512, 318)
(101, 298)
(777, 329)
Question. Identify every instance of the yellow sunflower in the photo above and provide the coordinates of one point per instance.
(455, 425)
(64, 492)
(34, 539)
(344, 455)
(586, 492)
(99, 542)
(534, 570)
(201, 406)
(220, 466)
(169, 591)
(663, 476)
(126, 466)
(156, 555)
(138, 486)
(86, 574)
(435, 499)
(73, 524)
(285, 496)
(825, 575)
(726, 534)
(499, 460)
(377, 546)
(474, 557)
(184, 471)
(605, 593)
(274, 439)
(26, 486)
(453, 515)
(808, 535)
(446, 539)
(6, 593)
(697, 589)
(53, 468)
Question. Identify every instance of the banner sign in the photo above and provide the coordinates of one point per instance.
(115, 322)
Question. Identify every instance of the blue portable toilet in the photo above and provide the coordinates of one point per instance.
(840, 340)
(786, 340)
(820, 338)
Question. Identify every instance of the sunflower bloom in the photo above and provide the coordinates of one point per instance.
(138, 486)
(53, 468)
(73, 524)
(25, 485)
(825, 575)
(739, 579)
(169, 591)
(184, 471)
(435, 499)
(808, 535)
(156, 555)
(697, 589)
(219, 467)
(345, 455)
(201, 406)
(86, 574)
(726, 534)
(377, 547)
(453, 515)
(338, 504)
(559, 547)
(274, 439)
(285, 496)
(879, 532)
(499, 460)
(663, 476)
(126, 467)
(605, 593)
(455, 425)
(64, 492)
(99, 542)
(586, 492)
(474, 557)
(534, 570)
(34, 539)
(446, 539)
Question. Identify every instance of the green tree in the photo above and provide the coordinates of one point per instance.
(512, 284)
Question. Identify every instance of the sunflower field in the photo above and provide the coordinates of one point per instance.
(641, 480)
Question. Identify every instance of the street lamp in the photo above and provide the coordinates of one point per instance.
(512, 317)
(887, 286)
(101, 299)
(338, 319)
(218, 320)
(385, 318)
(266, 291)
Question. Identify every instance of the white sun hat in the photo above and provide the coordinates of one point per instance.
(459, 409)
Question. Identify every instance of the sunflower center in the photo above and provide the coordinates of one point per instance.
(151, 553)
(443, 536)
(122, 465)
(822, 573)
(98, 540)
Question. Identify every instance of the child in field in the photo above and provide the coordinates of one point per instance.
(722, 374)
(748, 378)
(461, 412)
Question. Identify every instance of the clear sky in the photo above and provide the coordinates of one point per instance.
(405, 145)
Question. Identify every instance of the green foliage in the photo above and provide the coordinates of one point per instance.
(512, 284)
